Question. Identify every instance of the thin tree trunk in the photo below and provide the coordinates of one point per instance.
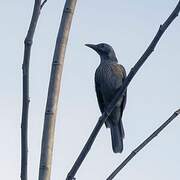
(143, 144)
(120, 92)
(54, 90)
(25, 108)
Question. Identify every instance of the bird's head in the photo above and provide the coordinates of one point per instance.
(105, 51)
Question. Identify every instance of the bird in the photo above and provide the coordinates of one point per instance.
(109, 77)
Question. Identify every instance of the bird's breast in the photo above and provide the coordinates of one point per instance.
(109, 75)
(103, 72)
(108, 80)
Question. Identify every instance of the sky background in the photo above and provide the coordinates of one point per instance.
(153, 95)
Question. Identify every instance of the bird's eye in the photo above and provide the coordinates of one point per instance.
(103, 47)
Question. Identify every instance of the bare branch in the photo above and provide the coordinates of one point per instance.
(178, 111)
(118, 95)
(143, 144)
(54, 90)
(43, 3)
(25, 107)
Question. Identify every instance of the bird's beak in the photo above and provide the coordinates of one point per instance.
(92, 46)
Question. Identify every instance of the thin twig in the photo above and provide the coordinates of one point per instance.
(111, 106)
(43, 3)
(54, 90)
(25, 107)
(143, 144)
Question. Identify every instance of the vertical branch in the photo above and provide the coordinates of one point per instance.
(143, 144)
(120, 92)
(53, 91)
(25, 107)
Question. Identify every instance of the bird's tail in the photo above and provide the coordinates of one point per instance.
(117, 134)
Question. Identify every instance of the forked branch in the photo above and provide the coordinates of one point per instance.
(43, 3)
(25, 107)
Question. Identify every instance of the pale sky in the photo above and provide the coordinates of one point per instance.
(153, 95)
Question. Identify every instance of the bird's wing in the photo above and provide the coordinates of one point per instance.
(119, 71)
(120, 74)
(123, 71)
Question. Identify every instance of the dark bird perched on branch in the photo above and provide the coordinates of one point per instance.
(109, 77)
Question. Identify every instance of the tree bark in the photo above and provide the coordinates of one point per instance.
(25, 107)
(54, 90)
